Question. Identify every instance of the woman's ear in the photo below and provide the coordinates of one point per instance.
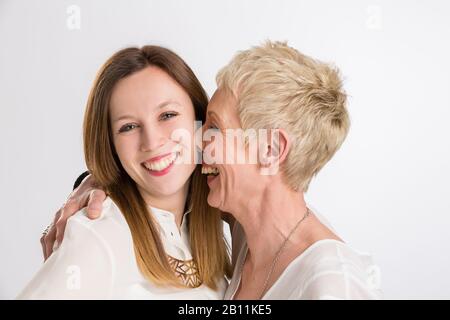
(274, 151)
(284, 145)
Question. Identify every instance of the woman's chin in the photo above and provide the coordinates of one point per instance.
(163, 188)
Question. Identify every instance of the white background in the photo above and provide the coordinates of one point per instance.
(386, 191)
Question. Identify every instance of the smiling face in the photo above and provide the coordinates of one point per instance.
(146, 108)
(229, 179)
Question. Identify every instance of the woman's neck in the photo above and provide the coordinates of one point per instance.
(174, 203)
(268, 219)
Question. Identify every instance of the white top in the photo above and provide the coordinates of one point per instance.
(96, 260)
(328, 269)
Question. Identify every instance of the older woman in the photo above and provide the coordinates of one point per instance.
(281, 248)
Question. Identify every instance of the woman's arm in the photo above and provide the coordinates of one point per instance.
(86, 193)
(80, 269)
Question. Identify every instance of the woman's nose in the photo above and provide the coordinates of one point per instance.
(152, 139)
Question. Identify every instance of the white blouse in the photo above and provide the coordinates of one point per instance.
(96, 260)
(328, 269)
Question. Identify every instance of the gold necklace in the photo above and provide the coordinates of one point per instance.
(277, 257)
(186, 271)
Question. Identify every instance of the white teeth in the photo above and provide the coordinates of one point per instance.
(210, 170)
(161, 164)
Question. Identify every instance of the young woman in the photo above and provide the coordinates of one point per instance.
(156, 237)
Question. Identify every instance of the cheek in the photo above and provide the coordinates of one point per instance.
(216, 150)
(183, 135)
(188, 141)
(237, 177)
(125, 149)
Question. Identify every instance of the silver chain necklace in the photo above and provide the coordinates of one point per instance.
(277, 257)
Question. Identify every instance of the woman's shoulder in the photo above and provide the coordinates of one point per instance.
(110, 230)
(110, 218)
(332, 253)
(92, 255)
(335, 267)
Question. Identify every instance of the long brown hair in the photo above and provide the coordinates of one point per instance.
(208, 247)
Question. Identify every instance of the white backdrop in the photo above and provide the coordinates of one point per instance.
(386, 191)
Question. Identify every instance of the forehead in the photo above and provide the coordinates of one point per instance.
(148, 87)
(224, 106)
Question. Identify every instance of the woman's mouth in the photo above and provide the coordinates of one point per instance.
(212, 173)
(162, 165)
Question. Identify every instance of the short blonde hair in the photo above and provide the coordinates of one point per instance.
(278, 87)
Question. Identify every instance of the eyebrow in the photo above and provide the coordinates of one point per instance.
(160, 106)
(214, 115)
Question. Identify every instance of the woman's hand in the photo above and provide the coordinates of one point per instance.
(88, 194)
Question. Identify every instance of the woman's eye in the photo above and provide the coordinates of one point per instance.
(127, 127)
(168, 115)
(213, 127)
